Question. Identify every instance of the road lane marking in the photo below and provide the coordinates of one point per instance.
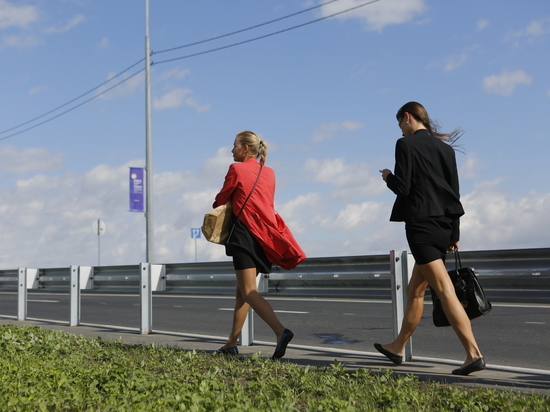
(278, 311)
(291, 311)
(43, 301)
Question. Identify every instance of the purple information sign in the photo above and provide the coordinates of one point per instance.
(136, 189)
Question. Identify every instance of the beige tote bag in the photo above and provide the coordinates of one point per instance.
(216, 225)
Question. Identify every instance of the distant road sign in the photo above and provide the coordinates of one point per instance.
(195, 233)
(99, 227)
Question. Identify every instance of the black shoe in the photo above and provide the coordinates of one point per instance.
(477, 365)
(233, 350)
(397, 359)
(280, 350)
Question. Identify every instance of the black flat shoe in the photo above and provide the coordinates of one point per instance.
(232, 350)
(397, 359)
(280, 350)
(477, 365)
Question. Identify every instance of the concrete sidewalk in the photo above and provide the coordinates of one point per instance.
(439, 370)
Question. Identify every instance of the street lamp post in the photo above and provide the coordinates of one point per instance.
(149, 231)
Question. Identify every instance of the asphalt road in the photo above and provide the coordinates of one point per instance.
(512, 334)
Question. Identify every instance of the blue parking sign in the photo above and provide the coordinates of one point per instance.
(195, 233)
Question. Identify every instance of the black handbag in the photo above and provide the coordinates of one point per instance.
(469, 293)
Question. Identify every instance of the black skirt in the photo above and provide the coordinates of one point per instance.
(428, 238)
(245, 249)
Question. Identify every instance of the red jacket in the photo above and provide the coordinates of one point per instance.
(259, 214)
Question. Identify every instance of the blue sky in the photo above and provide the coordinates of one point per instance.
(324, 97)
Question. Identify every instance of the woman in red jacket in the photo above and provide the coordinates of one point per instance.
(259, 238)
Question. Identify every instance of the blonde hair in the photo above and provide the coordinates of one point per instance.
(257, 147)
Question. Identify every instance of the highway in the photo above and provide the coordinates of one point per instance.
(513, 334)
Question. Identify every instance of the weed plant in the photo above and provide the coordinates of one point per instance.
(54, 371)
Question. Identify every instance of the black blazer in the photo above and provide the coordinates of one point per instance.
(425, 180)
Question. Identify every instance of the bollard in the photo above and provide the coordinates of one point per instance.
(401, 264)
(153, 279)
(75, 297)
(246, 337)
(22, 294)
(146, 298)
(27, 279)
(81, 278)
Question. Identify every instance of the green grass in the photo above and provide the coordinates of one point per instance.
(53, 371)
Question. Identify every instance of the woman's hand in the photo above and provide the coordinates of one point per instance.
(453, 247)
(385, 173)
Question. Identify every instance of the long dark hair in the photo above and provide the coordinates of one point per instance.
(420, 113)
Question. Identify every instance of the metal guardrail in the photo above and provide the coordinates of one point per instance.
(351, 276)
(503, 269)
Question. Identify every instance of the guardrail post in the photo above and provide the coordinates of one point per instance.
(81, 278)
(247, 333)
(22, 294)
(27, 279)
(146, 297)
(75, 297)
(262, 281)
(401, 264)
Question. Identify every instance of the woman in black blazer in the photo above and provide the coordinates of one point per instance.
(428, 201)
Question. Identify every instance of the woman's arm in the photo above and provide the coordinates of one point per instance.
(400, 181)
(229, 186)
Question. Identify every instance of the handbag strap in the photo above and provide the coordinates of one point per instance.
(458, 263)
(250, 194)
(245, 202)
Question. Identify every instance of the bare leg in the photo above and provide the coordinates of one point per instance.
(435, 274)
(413, 312)
(247, 295)
(239, 316)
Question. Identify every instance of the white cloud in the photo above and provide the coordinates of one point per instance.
(292, 210)
(104, 43)
(14, 160)
(46, 219)
(349, 180)
(538, 28)
(535, 30)
(454, 61)
(378, 15)
(218, 165)
(72, 23)
(356, 216)
(128, 87)
(22, 41)
(470, 168)
(176, 98)
(482, 24)
(176, 73)
(328, 130)
(12, 15)
(495, 219)
(505, 83)
(37, 90)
